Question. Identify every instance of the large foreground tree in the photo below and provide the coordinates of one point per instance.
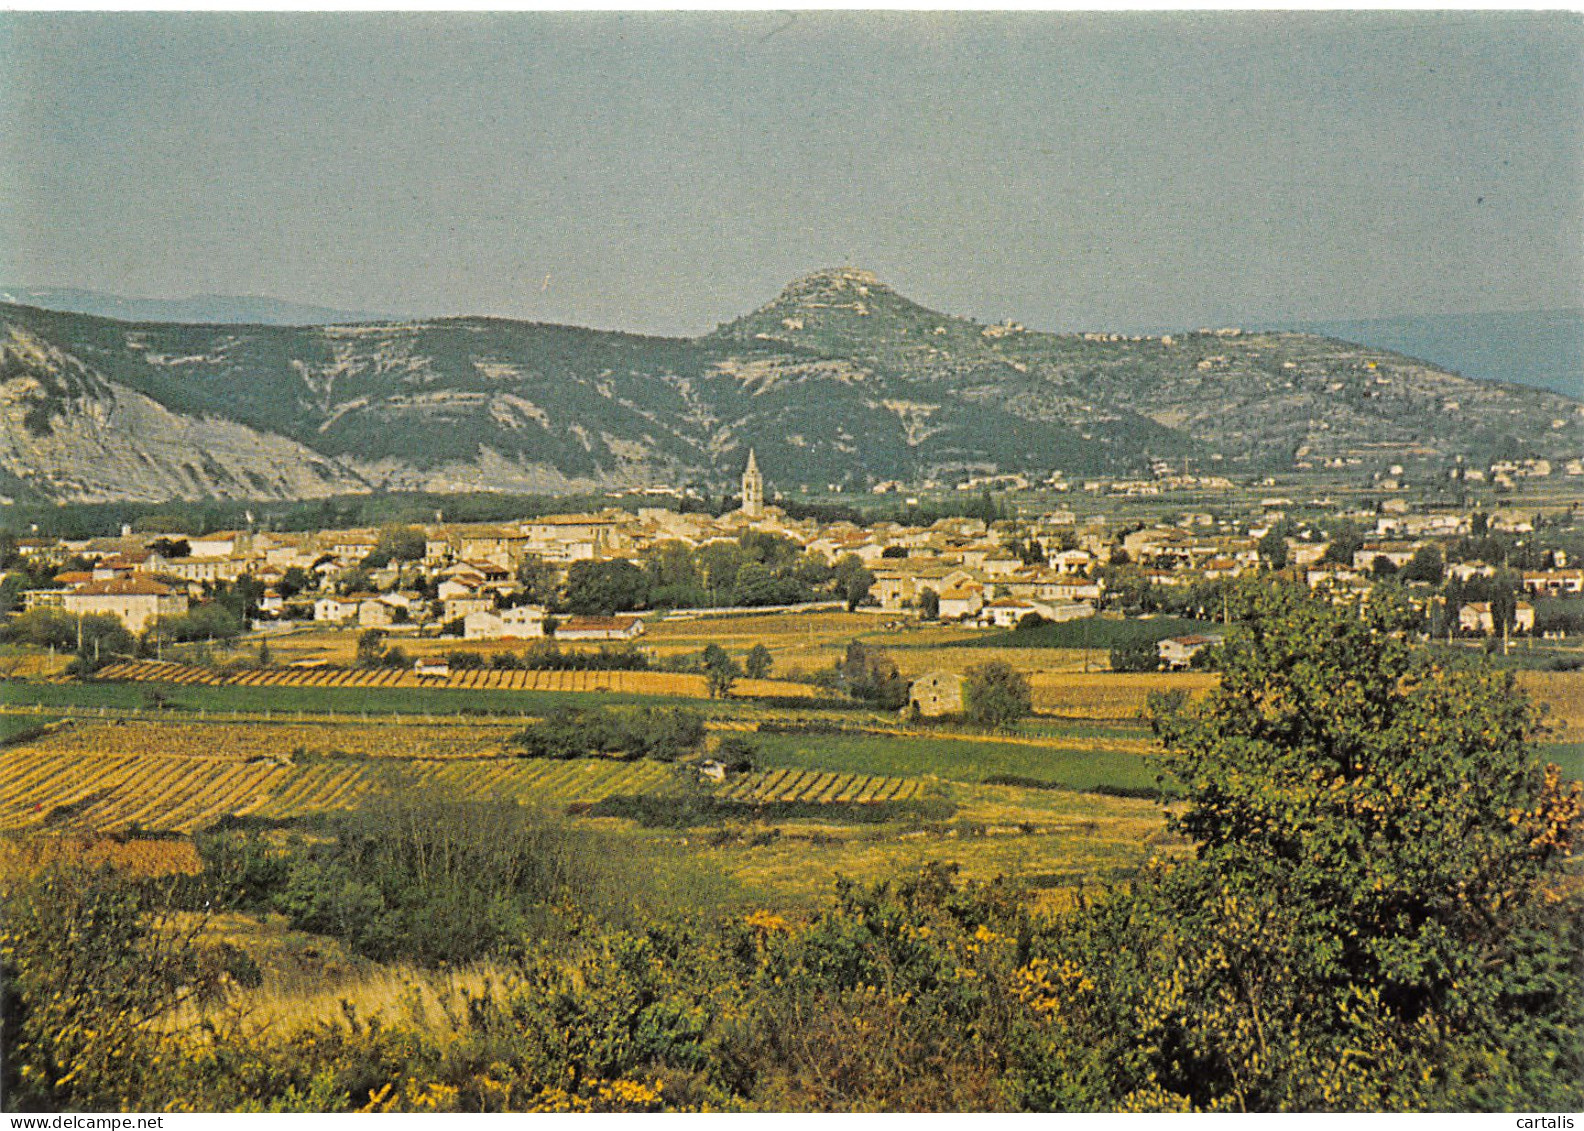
(1375, 915)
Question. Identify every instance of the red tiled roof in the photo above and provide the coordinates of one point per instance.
(584, 624)
(125, 587)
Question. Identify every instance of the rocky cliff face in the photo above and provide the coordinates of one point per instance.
(837, 379)
(70, 435)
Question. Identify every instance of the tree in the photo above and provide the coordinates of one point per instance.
(1273, 549)
(720, 562)
(996, 694)
(397, 544)
(1372, 918)
(171, 548)
(1026, 549)
(758, 662)
(720, 671)
(674, 577)
(929, 604)
(603, 588)
(737, 753)
(354, 580)
(1137, 656)
(1346, 540)
(1425, 565)
(206, 622)
(89, 964)
(538, 580)
(295, 581)
(756, 584)
(44, 627)
(1503, 590)
(853, 581)
(871, 675)
(370, 648)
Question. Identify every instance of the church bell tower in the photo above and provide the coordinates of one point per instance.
(752, 488)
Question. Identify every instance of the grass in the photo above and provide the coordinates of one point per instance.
(1568, 755)
(16, 728)
(1049, 839)
(961, 760)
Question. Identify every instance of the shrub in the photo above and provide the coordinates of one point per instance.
(996, 694)
(1138, 656)
(88, 960)
(659, 733)
(428, 881)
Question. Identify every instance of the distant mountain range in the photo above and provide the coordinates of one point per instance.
(839, 379)
(216, 309)
(1543, 348)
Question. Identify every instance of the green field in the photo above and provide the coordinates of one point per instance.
(15, 726)
(1568, 755)
(964, 760)
(1097, 632)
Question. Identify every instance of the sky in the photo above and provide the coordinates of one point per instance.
(665, 172)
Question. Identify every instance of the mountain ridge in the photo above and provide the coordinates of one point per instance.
(838, 378)
(1540, 348)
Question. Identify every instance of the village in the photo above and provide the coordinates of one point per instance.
(604, 577)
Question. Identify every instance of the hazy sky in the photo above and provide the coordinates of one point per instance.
(667, 172)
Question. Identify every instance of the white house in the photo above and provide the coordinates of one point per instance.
(1007, 612)
(520, 623)
(458, 608)
(1477, 617)
(1178, 651)
(135, 602)
(374, 613)
(335, 609)
(961, 601)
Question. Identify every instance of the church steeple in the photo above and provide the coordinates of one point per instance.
(752, 488)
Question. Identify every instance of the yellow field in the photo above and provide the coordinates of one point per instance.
(798, 642)
(178, 778)
(817, 787)
(243, 742)
(1052, 839)
(30, 663)
(137, 856)
(483, 679)
(1561, 694)
(796, 639)
(1110, 695)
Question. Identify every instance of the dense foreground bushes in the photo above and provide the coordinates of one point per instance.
(1376, 917)
(431, 882)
